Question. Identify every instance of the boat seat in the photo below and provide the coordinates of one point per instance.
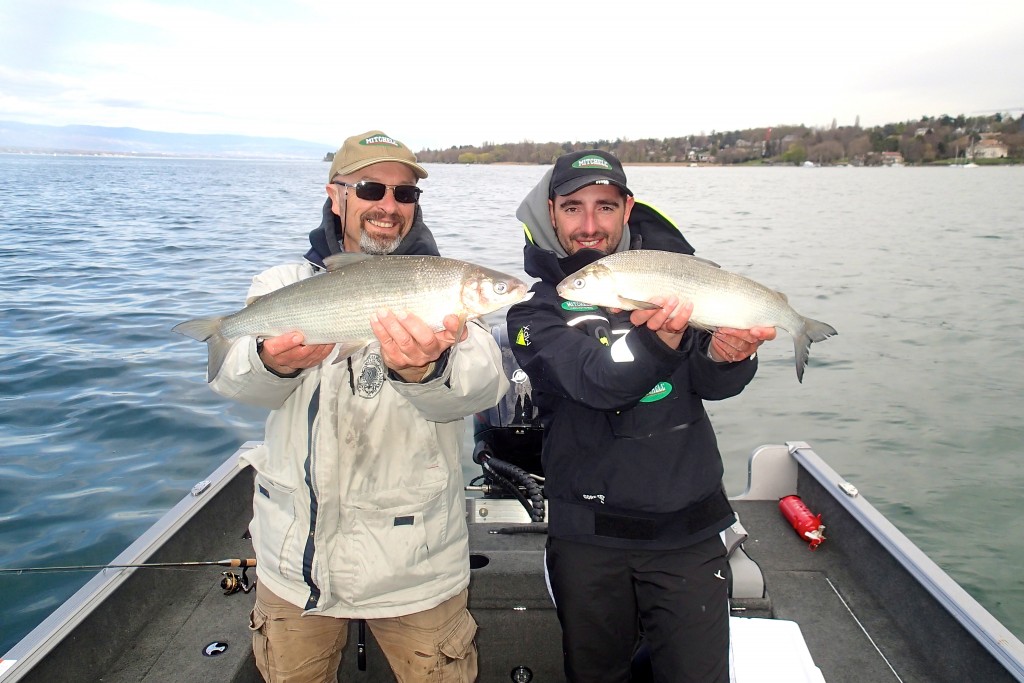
(746, 582)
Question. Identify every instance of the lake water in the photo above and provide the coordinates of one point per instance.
(106, 420)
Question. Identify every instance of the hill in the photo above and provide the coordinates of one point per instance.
(27, 137)
(995, 139)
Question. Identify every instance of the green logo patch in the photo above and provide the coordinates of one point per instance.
(380, 140)
(523, 338)
(577, 306)
(592, 161)
(660, 391)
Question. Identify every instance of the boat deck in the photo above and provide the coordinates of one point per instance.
(862, 614)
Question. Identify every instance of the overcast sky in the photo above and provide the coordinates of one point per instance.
(436, 74)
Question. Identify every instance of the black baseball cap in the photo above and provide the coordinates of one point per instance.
(588, 167)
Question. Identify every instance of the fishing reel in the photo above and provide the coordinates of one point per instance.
(233, 583)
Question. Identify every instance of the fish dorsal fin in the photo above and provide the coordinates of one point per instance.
(703, 260)
(338, 261)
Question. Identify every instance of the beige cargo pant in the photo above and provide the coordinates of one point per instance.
(435, 645)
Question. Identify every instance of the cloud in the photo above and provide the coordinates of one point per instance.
(445, 73)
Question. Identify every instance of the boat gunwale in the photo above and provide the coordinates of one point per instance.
(38, 643)
(979, 623)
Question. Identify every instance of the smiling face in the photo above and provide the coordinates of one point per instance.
(374, 227)
(590, 218)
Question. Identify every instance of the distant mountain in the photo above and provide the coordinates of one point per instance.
(27, 137)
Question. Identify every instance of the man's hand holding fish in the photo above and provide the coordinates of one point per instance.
(671, 317)
(408, 345)
(285, 354)
(729, 345)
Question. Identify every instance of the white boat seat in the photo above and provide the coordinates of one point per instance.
(746, 579)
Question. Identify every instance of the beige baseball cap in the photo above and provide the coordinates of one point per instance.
(372, 147)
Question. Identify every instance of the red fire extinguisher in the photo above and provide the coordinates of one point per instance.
(808, 526)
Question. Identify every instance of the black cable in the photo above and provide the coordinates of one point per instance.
(511, 477)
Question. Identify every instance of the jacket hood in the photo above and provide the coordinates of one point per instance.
(324, 242)
(544, 256)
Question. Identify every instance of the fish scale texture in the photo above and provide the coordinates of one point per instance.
(338, 305)
(721, 298)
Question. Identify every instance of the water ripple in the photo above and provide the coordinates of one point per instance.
(106, 420)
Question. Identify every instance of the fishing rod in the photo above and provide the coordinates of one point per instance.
(231, 583)
(244, 563)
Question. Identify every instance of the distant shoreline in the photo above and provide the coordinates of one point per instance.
(944, 163)
(149, 155)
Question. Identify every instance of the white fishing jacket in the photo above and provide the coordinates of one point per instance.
(359, 507)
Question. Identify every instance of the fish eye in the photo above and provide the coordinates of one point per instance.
(578, 283)
(500, 287)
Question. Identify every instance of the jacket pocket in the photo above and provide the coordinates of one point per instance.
(659, 416)
(389, 548)
(458, 654)
(274, 524)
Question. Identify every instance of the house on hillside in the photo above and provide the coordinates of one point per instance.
(921, 132)
(892, 159)
(989, 148)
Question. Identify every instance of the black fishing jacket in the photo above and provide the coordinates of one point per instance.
(630, 456)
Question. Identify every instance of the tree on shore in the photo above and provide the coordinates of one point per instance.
(925, 140)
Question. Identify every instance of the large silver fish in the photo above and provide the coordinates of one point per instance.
(335, 307)
(629, 280)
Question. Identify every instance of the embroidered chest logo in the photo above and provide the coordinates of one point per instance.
(371, 377)
(577, 306)
(523, 338)
(660, 391)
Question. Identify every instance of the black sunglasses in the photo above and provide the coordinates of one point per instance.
(371, 191)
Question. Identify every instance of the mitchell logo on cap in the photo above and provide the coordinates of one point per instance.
(380, 140)
(592, 161)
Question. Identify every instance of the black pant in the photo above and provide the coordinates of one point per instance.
(679, 597)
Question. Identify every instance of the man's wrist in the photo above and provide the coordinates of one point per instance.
(286, 375)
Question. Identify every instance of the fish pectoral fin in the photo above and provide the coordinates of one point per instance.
(346, 349)
(463, 317)
(338, 261)
(699, 326)
(637, 303)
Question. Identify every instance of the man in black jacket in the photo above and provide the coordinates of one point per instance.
(632, 467)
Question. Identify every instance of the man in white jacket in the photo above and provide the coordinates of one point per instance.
(358, 511)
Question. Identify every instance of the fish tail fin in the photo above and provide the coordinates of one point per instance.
(217, 345)
(810, 331)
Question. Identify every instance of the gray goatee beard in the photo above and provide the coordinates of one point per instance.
(377, 245)
(371, 245)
